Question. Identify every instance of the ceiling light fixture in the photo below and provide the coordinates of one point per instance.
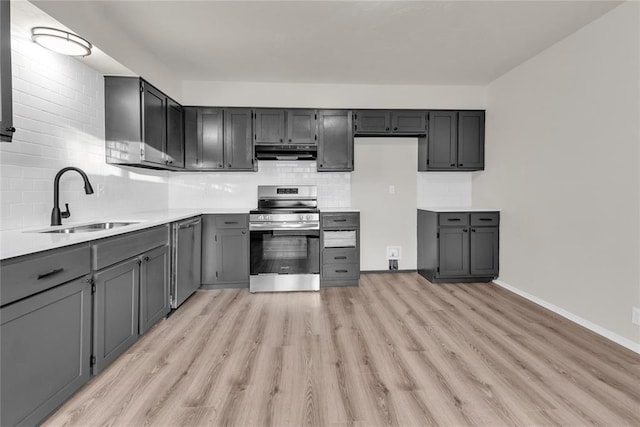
(61, 41)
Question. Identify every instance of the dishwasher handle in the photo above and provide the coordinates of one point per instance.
(189, 224)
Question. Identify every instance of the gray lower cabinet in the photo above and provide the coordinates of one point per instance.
(154, 287)
(340, 254)
(45, 332)
(115, 323)
(458, 246)
(132, 290)
(225, 251)
(335, 143)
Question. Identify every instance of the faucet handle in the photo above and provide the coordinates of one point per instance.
(66, 213)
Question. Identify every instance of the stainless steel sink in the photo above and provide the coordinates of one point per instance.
(98, 226)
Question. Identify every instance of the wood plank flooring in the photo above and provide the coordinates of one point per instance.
(397, 351)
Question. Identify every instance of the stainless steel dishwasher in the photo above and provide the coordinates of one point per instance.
(186, 259)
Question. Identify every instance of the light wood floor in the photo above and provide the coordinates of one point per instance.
(398, 350)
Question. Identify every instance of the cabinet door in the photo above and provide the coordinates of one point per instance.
(335, 145)
(154, 118)
(453, 252)
(6, 107)
(209, 134)
(442, 140)
(238, 148)
(175, 135)
(154, 287)
(471, 140)
(302, 126)
(414, 122)
(372, 121)
(484, 251)
(269, 126)
(232, 255)
(115, 325)
(45, 351)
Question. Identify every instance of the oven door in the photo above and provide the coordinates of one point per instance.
(285, 252)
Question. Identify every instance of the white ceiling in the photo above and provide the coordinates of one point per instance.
(382, 42)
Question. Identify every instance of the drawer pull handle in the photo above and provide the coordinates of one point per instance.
(340, 220)
(50, 273)
(453, 219)
(342, 271)
(230, 222)
(486, 219)
(340, 257)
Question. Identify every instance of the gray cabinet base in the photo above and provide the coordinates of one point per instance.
(427, 274)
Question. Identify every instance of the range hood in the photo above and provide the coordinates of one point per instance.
(286, 152)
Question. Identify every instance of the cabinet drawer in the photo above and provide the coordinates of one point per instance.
(340, 256)
(231, 221)
(340, 271)
(31, 274)
(453, 218)
(340, 220)
(110, 251)
(485, 218)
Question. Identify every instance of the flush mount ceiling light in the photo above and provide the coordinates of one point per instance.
(61, 41)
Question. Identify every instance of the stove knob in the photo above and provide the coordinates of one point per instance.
(309, 217)
(301, 217)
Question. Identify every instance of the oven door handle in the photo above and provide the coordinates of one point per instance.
(301, 226)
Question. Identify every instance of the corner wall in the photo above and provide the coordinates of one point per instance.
(563, 164)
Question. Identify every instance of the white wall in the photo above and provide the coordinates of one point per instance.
(59, 113)
(563, 162)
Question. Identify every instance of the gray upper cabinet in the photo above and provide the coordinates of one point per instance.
(389, 122)
(238, 146)
(279, 126)
(137, 120)
(455, 142)
(6, 103)
(302, 126)
(471, 140)
(218, 139)
(204, 138)
(371, 121)
(269, 126)
(335, 144)
(175, 134)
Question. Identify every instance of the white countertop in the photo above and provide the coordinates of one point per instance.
(456, 209)
(26, 241)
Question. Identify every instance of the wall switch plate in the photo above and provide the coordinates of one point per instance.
(392, 189)
(635, 315)
(393, 252)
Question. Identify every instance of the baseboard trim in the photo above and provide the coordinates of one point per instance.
(387, 271)
(625, 342)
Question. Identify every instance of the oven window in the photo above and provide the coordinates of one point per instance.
(278, 252)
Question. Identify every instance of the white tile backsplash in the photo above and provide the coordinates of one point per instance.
(239, 189)
(58, 106)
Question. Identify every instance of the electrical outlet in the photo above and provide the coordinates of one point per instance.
(635, 315)
(392, 189)
(100, 190)
(393, 252)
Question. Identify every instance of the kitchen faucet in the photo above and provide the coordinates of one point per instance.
(56, 215)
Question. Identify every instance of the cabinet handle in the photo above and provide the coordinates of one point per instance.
(342, 271)
(10, 129)
(460, 164)
(340, 220)
(280, 139)
(220, 165)
(453, 219)
(146, 258)
(387, 128)
(316, 137)
(229, 165)
(453, 164)
(340, 257)
(244, 232)
(289, 139)
(486, 219)
(50, 273)
(395, 128)
(230, 222)
(473, 230)
(465, 230)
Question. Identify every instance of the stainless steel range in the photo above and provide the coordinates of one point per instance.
(285, 239)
